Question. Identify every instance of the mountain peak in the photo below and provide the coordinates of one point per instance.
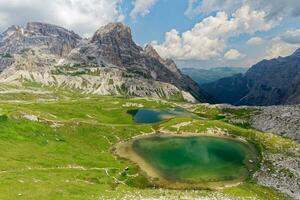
(297, 53)
(169, 63)
(116, 30)
(49, 29)
(150, 51)
(118, 26)
(33, 24)
(134, 70)
(40, 37)
(115, 44)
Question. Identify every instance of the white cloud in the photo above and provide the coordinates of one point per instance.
(142, 8)
(196, 7)
(233, 54)
(208, 39)
(292, 36)
(81, 16)
(255, 41)
(193, 8)
(274, 12)
(280, 48)
(284, 45)
(274, 8)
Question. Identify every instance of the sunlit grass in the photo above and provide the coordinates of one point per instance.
(67, 152)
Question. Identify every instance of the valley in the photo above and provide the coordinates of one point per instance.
(204, 76)
(58, 144)
(267, 83)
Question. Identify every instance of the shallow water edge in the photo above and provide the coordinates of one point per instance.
(125, 150)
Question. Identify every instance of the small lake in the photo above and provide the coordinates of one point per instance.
(151, 116)
(194, 161)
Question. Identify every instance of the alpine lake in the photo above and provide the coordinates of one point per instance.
(188, 161)
(151, 116)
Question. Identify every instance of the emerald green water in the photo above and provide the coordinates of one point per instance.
(149, 116)
(206, 159)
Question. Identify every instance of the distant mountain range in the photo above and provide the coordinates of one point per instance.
(108, 63)
(202, 76)
(269, 82)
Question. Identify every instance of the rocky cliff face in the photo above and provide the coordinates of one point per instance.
(270, 82)
(274, 82)
(45, 38)
(35, 45)
(107, 63)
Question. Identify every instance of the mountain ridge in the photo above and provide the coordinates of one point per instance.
(203, 76)
(108, 63)
(269, 82)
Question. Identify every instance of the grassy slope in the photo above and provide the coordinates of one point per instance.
(67, 154)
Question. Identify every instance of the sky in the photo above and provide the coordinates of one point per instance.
(195, 33)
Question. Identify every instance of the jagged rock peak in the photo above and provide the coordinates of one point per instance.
(110, 50)
(49, 29)
(12, 28)
(40, 37)
(169, 63)
(40, 29)
(113, 27)
(150, 51)
(114, 44)
(116, 30)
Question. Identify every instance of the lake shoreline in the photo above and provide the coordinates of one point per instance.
(125, 150)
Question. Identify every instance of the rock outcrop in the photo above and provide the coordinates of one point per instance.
(38, 36)
(34, 46)
(282, 120)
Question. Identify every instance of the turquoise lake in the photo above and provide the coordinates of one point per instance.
(150, 116)
(197, 159)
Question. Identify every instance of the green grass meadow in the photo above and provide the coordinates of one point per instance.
(59, 145)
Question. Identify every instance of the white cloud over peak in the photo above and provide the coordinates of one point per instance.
(83, 17)
(208, 39)
(233, 54)
(141, 8)
(292, 36)
(284, 45)
(280, 48)
(255, 41)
